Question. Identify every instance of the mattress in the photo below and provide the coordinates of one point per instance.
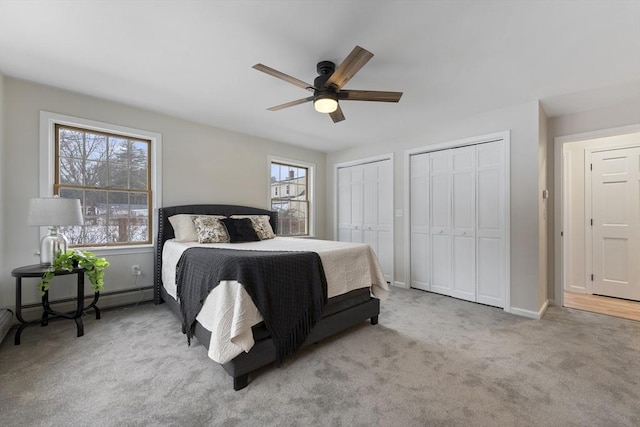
(229, 313)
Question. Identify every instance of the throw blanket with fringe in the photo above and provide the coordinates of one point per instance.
(288, 288)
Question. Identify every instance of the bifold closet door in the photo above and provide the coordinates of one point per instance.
(463, 218)
(365, 208)
(457, 224)
(490, 224)
(420, 239)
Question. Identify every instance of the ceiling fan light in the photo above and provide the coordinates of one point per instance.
(326, 102)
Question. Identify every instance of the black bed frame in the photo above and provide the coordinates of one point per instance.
(341, 313)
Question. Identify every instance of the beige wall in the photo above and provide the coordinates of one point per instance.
(522, 121)
(201, 164)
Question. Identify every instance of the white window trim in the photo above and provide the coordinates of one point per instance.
(49, 120)
(311, 167)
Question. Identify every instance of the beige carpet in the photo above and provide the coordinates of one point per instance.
(432, 361)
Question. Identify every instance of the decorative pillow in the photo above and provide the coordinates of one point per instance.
(184, 228)
(261, 224)
(240, 230)
(210, 229)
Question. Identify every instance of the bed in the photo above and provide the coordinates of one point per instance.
(230, 326)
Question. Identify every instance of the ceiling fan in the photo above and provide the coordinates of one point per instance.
(327, 87)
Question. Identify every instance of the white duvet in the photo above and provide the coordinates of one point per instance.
(229, 313)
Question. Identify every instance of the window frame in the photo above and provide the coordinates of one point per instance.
(311, 212)
(48, 122)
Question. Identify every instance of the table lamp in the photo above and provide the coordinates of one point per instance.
(53, 212)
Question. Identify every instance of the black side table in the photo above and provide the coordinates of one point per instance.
(36, 271)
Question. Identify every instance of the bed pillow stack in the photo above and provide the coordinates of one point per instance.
(214, 228)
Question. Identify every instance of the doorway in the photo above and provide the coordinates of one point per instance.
(599, 221)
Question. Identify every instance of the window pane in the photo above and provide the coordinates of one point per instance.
(95, 146)
(70, 171)
(138, 165)
(95, 217)
(71, 143)
(139, 217)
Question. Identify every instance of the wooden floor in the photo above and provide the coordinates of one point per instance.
(604, 305)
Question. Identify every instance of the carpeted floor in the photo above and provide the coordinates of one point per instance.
(432, 361)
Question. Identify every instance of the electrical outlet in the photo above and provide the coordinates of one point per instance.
(135, 270)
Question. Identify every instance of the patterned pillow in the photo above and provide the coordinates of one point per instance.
(260, 224)
(210, 230)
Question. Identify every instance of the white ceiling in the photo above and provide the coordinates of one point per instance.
(192, 59)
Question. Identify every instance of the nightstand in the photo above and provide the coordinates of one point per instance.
(36, 271)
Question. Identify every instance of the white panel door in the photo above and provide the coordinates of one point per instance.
(365, 208)
(419, 216)
(384, 217)
(344, 205)
(440, 190)
(615, 201)
(491, 280)
(458, 235)
(370, 205)
(357, 203)
(463, 223)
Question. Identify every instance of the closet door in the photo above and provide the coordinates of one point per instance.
(384, 217)
(463, 223)
(440, 190)
(344, 205)
(490, 224)
(365, 208)
(357, 203)
(419, 215)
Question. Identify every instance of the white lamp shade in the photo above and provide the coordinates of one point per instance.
(54, 211)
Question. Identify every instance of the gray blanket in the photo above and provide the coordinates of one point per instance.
(288, 288)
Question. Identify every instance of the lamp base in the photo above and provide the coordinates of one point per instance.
(51, 246)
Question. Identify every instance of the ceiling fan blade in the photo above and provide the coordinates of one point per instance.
(282, 76)
(369, 95)
(349, 67)
(291, 104)
(337, 115)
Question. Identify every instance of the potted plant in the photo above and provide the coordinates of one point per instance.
(94, 268)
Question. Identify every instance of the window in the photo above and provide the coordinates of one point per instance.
(109, 173)
(290, 183)
(111, 169)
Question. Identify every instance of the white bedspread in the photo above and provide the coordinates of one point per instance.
(229, 313)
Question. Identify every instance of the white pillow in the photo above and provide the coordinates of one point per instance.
(260, 224)
(184, 228)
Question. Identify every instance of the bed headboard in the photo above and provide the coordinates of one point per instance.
(165, 230)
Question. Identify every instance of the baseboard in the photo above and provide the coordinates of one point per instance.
(530, 313)
(400, 285)
(6, 320)
(106, 301)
